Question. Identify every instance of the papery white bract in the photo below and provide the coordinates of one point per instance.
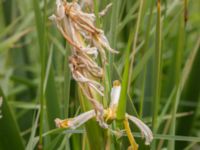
(144, 129)
(115, 94)
(76, 121)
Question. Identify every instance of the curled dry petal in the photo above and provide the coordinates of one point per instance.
(99, 110)
(89, 4)
(92, 83)
(104, 11)
(144, 129)
(76, 121)
(81, 62)
(60, 9)
(91, 51)
(104, 42)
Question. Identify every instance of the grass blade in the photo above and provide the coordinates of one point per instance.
(52, 102)
(191, 90)
(157, 79)
(123, 95)
(40, 26)
(9, 130)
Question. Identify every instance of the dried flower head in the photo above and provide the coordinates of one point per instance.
(87, 42)
(79, 30)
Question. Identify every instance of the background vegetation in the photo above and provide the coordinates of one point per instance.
(160, 44)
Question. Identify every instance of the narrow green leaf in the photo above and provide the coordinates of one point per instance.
(191, 90)
(178, 67)
(31, 142)
(9, 42)
(170, 137)
(157, 78)
(40, 26)
(52, 102)
(67, 82)
(121, 110)
(10, 137)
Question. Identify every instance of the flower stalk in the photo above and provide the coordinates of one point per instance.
(133, 143)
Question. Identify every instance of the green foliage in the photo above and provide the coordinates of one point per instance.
(158, 64)
(10, 134)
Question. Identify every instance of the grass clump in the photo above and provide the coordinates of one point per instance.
(149, 51)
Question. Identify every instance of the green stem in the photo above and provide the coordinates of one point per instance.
(121, 110)
(67, 77)
(178, 66)
(135, 40)
(145, 49)
(157, 79)
(40, 25)
(157, 67)
(96, 11)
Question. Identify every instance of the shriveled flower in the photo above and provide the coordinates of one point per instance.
(111, 113)
(81, 72)
(144, 129)
(75, 122)
(87, 42)
(78, 27)
(1, 102)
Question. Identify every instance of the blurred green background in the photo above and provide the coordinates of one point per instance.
(164, 73)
